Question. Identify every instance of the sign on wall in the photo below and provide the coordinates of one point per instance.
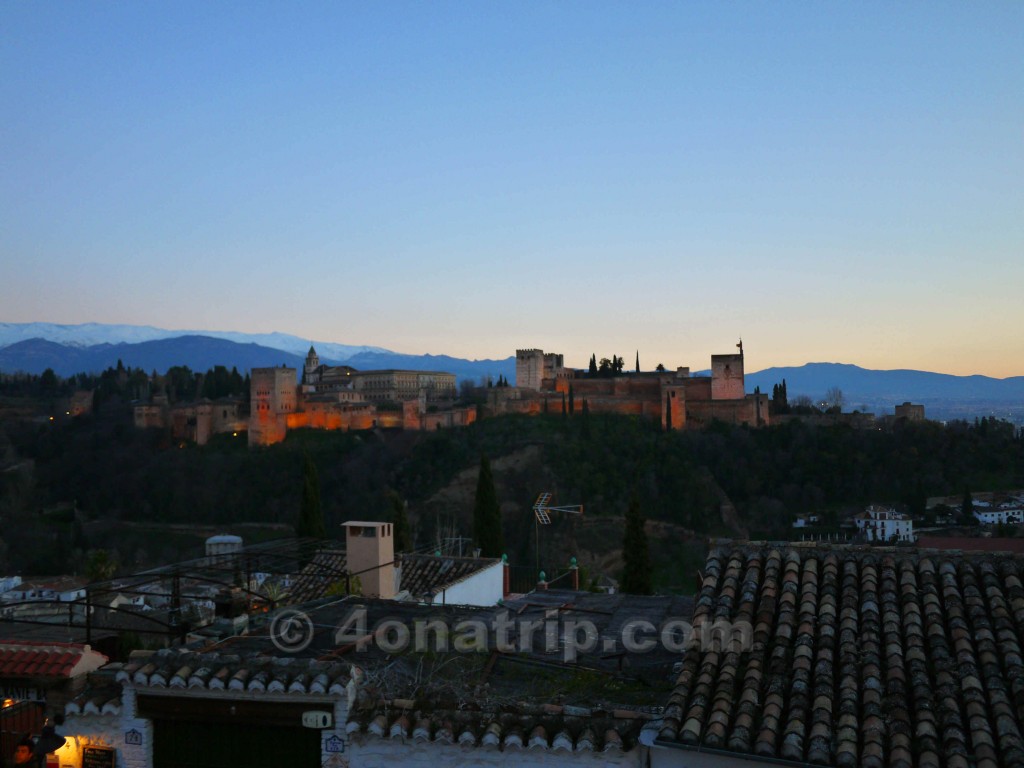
(98, 757)
(21, 693)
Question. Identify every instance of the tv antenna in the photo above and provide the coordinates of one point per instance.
(542, 509)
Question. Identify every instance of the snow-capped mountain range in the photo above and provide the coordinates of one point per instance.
(91, 334)
(93, 347)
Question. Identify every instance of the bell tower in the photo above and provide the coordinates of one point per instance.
(309, 370)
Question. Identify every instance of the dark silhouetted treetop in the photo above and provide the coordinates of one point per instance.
(487, 532)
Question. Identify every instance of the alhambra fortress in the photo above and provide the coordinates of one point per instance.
(340, 397)
(675, 398)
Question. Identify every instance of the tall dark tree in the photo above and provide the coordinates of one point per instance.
(311, 516)
(48, 382)
(637, 578)
(572, 401)
(400, 521)
(593, 365)
(638, 361)
(668, 412)
(779, 402)
(967, 510)
(487, 533)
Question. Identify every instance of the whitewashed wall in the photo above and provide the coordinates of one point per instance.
(129, 736)
(483, 588)
(366, 751)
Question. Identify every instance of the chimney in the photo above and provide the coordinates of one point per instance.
(370, 554)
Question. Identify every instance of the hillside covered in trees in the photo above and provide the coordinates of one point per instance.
(107, 477)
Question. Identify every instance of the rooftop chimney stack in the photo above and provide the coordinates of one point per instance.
(370, 552)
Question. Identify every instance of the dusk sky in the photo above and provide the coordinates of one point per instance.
(839, 182)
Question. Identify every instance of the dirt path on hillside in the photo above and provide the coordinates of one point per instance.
(726, 509)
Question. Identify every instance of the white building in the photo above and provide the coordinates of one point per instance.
(1004, 514)
(885, 524)
(221, 548)
(63, 589)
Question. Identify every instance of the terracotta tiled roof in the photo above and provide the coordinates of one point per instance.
(102, 697)
(327, 568)
(218, 671)
(52, 583)
(550, 728)
(859, 657)
(424, 576)
(27, 659)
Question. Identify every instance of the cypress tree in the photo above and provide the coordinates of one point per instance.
(400, 520)
(311, 516)
(593, 365)
(638, 361)
(967, 509)
(487, 533)
(572, 401)
(563, 403)
(636, 578)
(668, 412)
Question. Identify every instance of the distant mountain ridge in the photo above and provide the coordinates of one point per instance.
(944, 395)
(201, 352)
(93, 347)
(814, 379)
(92, 334)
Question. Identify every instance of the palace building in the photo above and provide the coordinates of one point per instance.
(676, 398)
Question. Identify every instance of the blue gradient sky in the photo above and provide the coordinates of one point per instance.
(833, 182)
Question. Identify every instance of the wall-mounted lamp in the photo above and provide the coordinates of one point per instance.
(49, 740)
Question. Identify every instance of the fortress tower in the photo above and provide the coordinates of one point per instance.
(272, 394)
(727, 376)
(533, 366)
